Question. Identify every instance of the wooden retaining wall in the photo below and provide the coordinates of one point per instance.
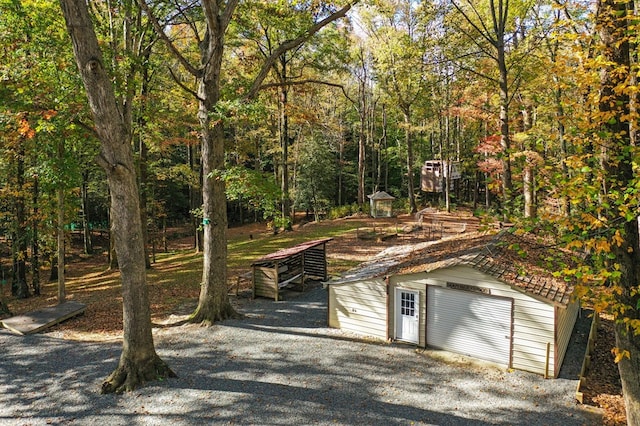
(586, 363)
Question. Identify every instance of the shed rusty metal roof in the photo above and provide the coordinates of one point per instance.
(520, 260)
(291, 251)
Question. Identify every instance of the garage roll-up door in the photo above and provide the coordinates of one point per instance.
(469, 323)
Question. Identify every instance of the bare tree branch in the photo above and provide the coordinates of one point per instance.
(182, 85)
(292, 44)
(228, 13)
(160, 31)
(484, 31)
(301, 82)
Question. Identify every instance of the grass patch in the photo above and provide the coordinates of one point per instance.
(241, 252)
(173, 281)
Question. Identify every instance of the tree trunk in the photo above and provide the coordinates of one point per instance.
(627, 338)
(528, 183)
(4, 306)
(86, 231)
(564, 151)
(53, 276)
(340, 166)
(19, 286)
(629, 368)
(361, 106)
(529, 171)
(61, 247)
(138, 362)
(60, 277)
(362, 110)
(446, 165)
(35, 252)
(213, 303)
(618, 163)
(284, 145)
(409, 143)
(505, 138)
(382, 146)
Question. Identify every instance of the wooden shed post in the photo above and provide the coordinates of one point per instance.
(303, 273)
(253, 280)
(546, 365)
(277, 280)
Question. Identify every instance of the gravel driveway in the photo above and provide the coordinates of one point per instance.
(277, 366)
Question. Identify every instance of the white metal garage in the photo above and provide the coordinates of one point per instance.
(470, 323)
(469, 295)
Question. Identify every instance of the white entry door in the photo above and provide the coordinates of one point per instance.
(407, 315)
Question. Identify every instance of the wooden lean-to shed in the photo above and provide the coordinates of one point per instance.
(472, 296)
(289, 268)
(381, 204)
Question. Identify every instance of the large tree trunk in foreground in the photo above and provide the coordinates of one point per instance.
(139, 362)
(618, 162)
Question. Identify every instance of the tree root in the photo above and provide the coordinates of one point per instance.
(130, 375)
(206, 316)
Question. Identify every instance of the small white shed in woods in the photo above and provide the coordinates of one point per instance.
(381, 204)
(475, 296)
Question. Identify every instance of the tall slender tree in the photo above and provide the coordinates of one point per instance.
(490, 29)
(619, 158)
(399, 41)
(603, 186)
(138, 362)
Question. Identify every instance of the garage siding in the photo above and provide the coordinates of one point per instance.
(533, 320)
(359, 307)
(566, 319)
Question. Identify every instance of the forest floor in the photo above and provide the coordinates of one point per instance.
(175, 276)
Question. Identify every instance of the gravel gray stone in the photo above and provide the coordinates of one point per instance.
(279, 365)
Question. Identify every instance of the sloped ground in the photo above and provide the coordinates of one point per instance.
(602, 387)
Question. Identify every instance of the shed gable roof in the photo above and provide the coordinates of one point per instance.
(290, 251)
(381, 195)
(517, 260)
